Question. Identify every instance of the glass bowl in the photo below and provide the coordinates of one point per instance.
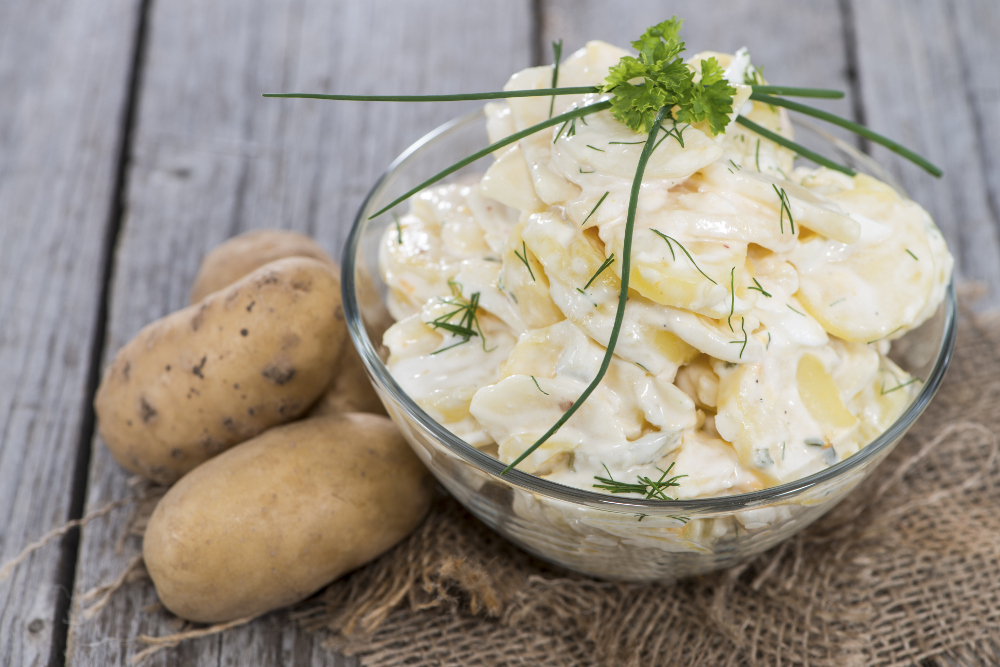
(597, 534)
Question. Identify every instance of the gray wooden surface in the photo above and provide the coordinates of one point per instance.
(210, 158)
(204, 157)
(64, 72)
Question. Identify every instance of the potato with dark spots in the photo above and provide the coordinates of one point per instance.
(238, 256)
(274, 519)
(200, 390)
(351, 390)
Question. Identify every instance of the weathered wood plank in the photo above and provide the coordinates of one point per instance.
(928, 75)
(64, 73)
(211, 158)
(798, 44)
(977, 25)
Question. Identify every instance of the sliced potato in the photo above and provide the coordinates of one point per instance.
(877, 287)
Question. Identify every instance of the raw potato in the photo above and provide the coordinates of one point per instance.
(275, 519)
(200, 380)
(351, 390)
(235, 258)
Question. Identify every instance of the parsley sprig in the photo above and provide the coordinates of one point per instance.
(667, 81)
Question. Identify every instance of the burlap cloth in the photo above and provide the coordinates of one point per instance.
(905, 571)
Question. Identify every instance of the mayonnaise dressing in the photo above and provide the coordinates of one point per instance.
(762, 298)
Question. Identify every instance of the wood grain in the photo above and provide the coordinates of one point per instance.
(211, 158)
(64, 71)
(928, 74)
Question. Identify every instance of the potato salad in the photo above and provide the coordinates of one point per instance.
(763, 297)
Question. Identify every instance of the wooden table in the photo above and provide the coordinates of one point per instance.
(133, 138)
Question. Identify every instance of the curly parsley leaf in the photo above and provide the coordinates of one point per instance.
(667, 81)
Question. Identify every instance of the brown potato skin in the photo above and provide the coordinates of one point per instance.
(350, 390)
(238, 256)
(196, 382)
(273, 520)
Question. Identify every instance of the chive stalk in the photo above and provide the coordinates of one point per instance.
(856, 128)
(622, 296)
(506, 141)
(791, 145)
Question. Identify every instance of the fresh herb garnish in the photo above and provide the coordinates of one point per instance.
(667, 82)
(647, 487)
(608, 262)
(667, 91)
(794, 310)
(596, 148)
(786, 208)
(753, 75)
(599, 202)
(675, 132)
(399, 229)
(626, 260)
(746, 338)
(792, 146)
(910, 253)
(899, 386)
(757, 286)
(533, 92)
(791, 91)
(536, 385)
(468, 324)
(524, 258)
(556, 57)
(886, 336)
(572, 129)
(670, 239)
(506, 141)
(459, 97)
(732, 293)
(849, 125)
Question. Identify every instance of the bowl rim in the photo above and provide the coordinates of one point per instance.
(555, 491)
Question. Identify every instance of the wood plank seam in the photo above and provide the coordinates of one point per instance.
(538, 44)
(69, 545)
(853, 78)
(978, 126)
